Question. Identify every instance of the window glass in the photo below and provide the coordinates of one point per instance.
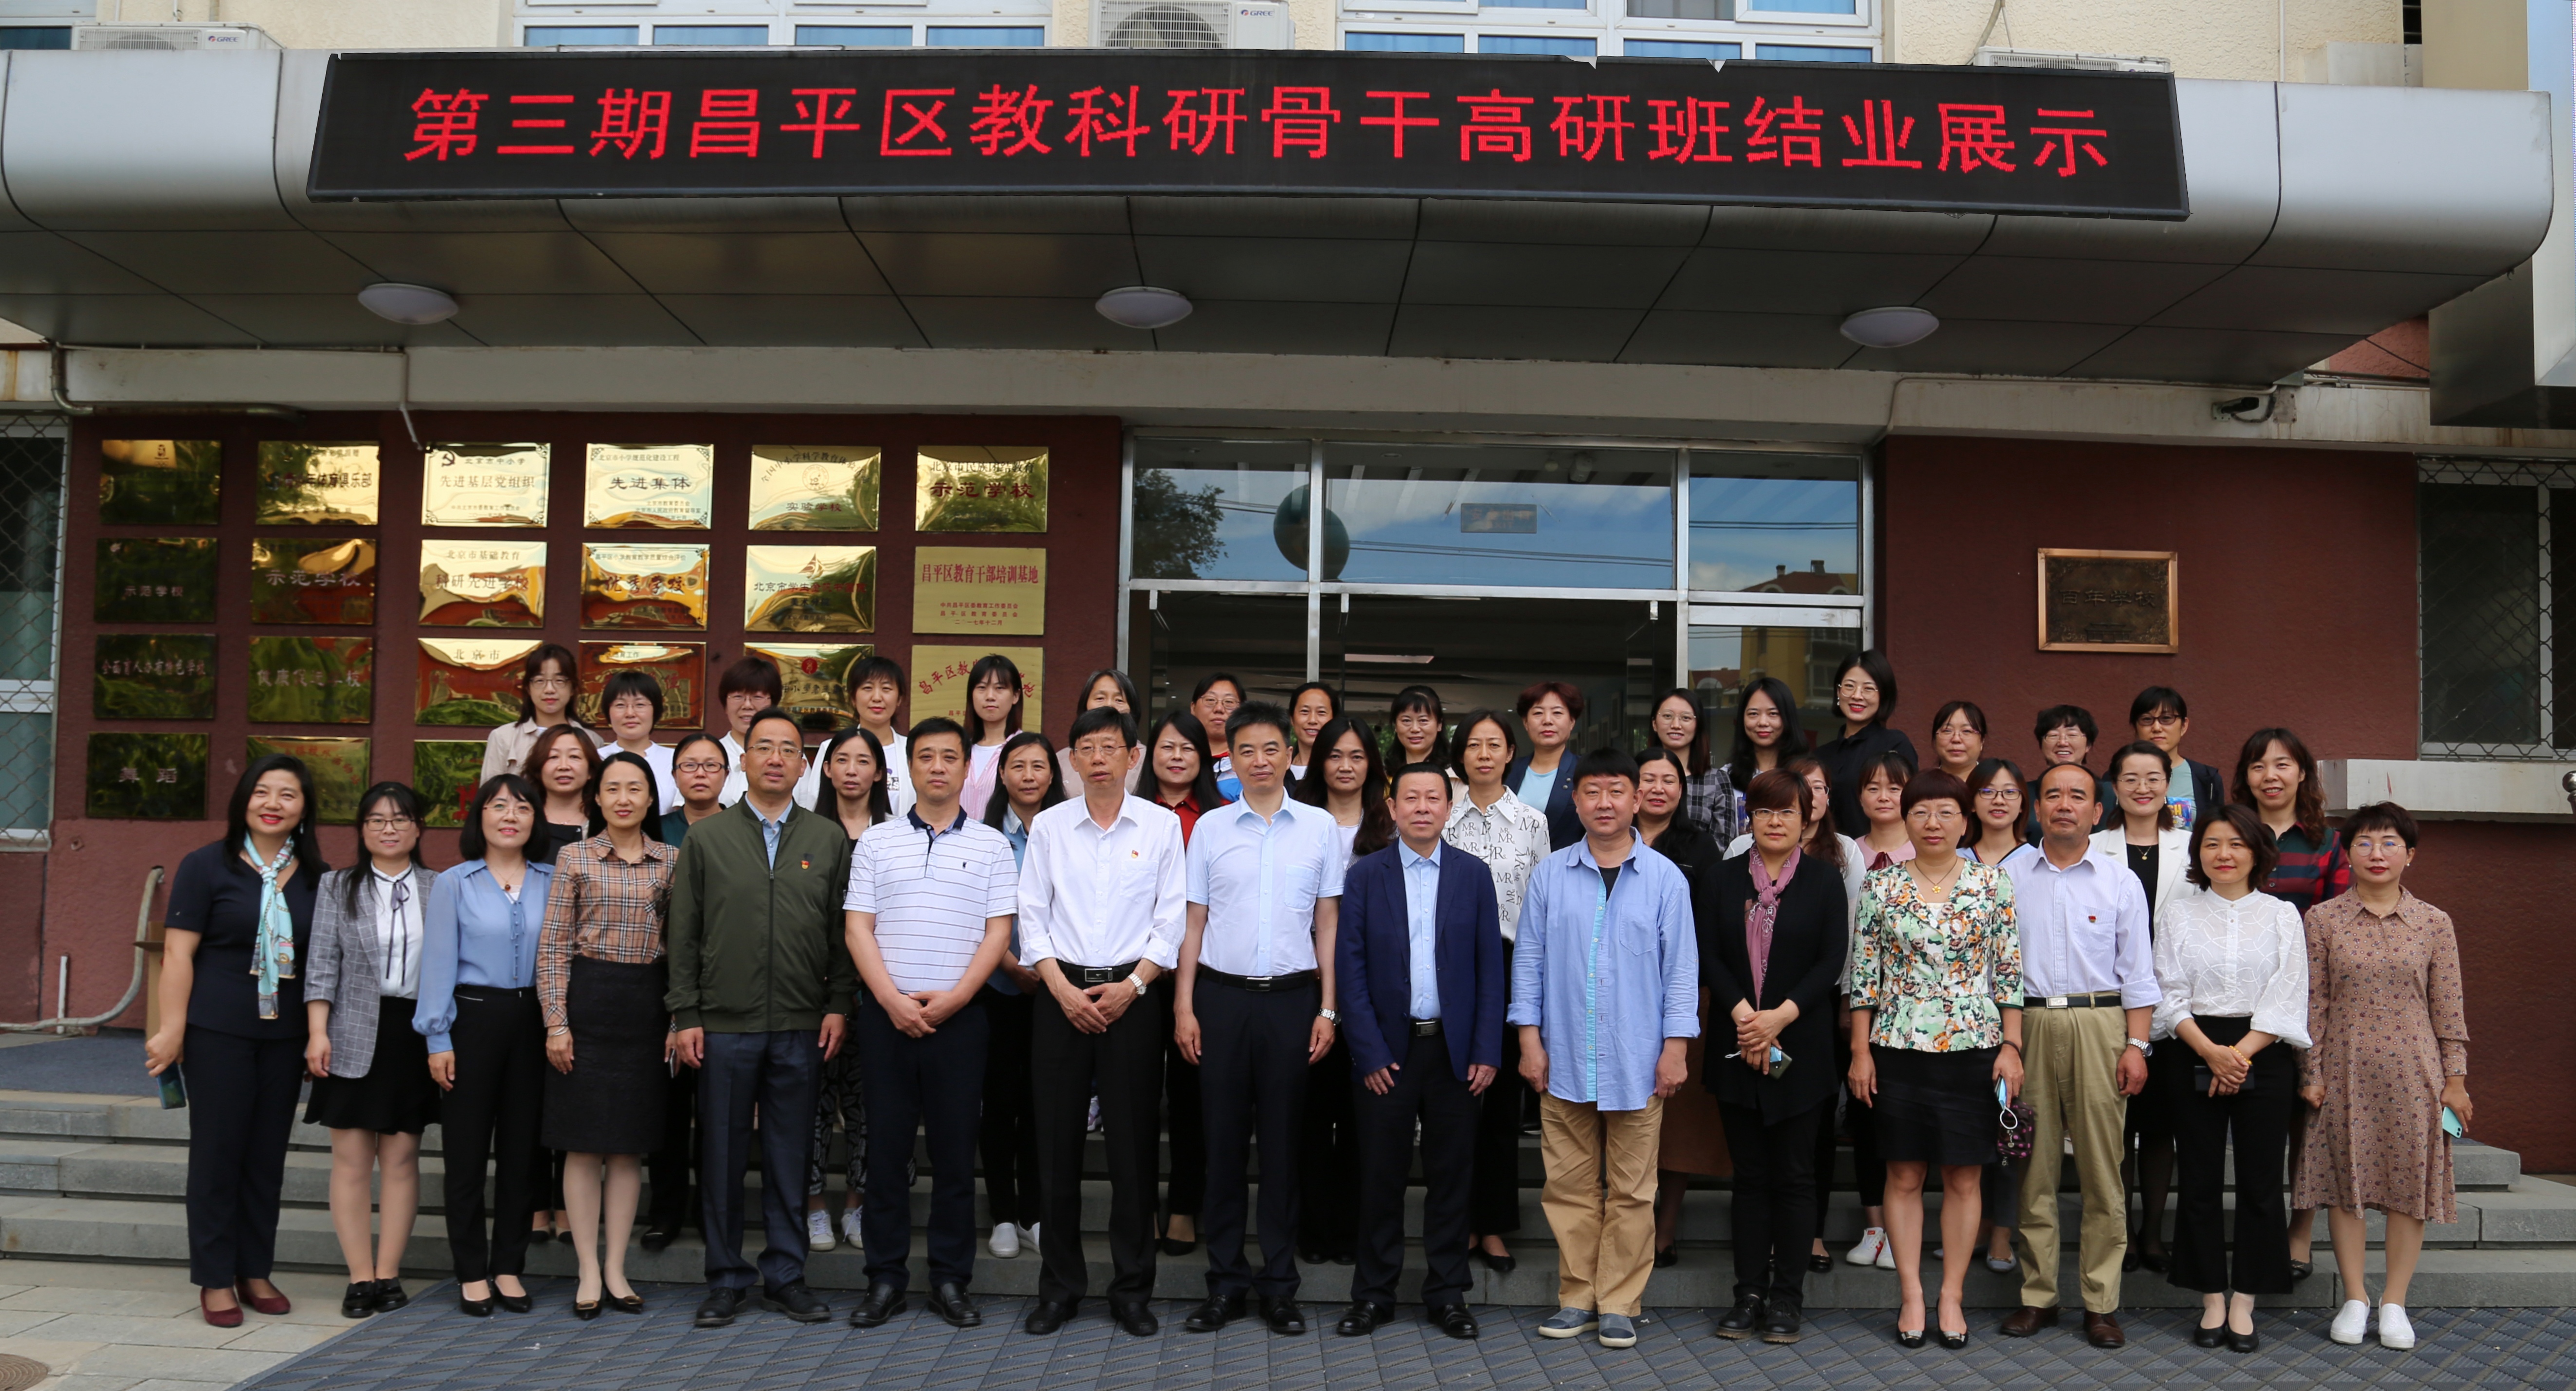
(1405, 43)
(601, 35)
(982, 36)
(1534, 5)
(1499, 515)
(1677, 48)
(1220, 510)
(856, 35)
(1811, 53)
(730, 35)
(1682, 9)
(36, 36)
(2482, 625)
(1806, 6)
(1532, 43)
(1775, 523)
(1725, 660)
(31, 504)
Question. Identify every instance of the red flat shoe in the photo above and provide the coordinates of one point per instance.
(272, 1306)
(218, 1318)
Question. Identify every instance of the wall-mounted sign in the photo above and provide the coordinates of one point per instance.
(972, 488)
(663, 487)
(154, 676)
(483, 584)
(814, 676)
(312, 680)
(484, 484)
(340, 769)
(323, 484)
(979, 589)
(681, 667)
(471, 681)
(809, 589)
(806, 487)
(862, 121)
(939, 680)
(2108, 601)
(644, 586)
(1498, 518)
(312, 581)
(444, 773)
(159, 482)
(165, 579)
(147, 777)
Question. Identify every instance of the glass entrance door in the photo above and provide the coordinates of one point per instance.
(1481, 653)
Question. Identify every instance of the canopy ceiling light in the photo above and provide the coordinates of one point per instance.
(407, 304)
(1897, 326)
(1144, 306)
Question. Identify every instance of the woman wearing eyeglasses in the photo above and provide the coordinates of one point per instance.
(1864, 697)
(2157, 850)
(548, 681)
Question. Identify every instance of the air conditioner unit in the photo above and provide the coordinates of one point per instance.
(171, 38)
(2091, 62)
(1192, 24)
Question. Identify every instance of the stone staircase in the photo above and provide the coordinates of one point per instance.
(101, 1177)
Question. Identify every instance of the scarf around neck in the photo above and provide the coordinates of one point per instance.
(1763, 914)
(273, 958)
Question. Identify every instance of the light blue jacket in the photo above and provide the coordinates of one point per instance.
(1606, 978)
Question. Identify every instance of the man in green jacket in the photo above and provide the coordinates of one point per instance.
(761, 985)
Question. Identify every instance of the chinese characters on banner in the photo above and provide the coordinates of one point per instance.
(1826, 135)
(960, 589)
(939, 678)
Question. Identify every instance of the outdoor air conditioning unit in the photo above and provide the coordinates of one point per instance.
(2091, 62)
(171, 38)
(1192, 24)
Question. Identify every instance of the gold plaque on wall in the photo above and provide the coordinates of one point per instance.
(484, 484)
(807, 487)
(681, 667)
(813, 677)
(2109, 601)
(298, 581)
(147, 777)
(962, 487)
(657, 487)
(979, 589)
(322, 484)
(939, 680)
(483, 584)
(339, 767)
(160, 482)
(643, 586)
(443, 772)
(470, 681)
(809, 589)
(328, 680)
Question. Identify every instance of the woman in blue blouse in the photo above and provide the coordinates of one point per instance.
(487, 1037)
(1030, 782)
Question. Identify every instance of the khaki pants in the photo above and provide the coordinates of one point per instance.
(1605, 1228)
(2071, 1079)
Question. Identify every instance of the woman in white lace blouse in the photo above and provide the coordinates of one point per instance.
(2233, 965)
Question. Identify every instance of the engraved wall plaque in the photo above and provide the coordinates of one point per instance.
(813, 677)
(483, 584)
(646, 586)
(939, 680)
(443, 772)
(470, 681)
(809, 589)
(2108, 601)
(340, 768)
(979, 589)
(484, 484)
(297, 581)
(147, 777)
(980, 488)
(655, 487)
(805, 487)
(153, 676)
(681, 667)
(317, 484)
(160, 482)
(312, 680)
(169, 579)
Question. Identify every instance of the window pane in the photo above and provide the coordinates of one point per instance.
(602, 35)
(1725, 660)
(973, 36)
(1530, 43)
(1220, 510)
(1533, 5)
(1258, 639)
(26, 787)
(856, 35)
(1810, 53)
(1775, 523)
(731, 35)
(2562, 612)
(1482, 653)
(31, 497)
(1675, 48)
(1681, 9)
(33, 36)
(1499, 515)
(2481, 612)
(1405, 43)
(1806, 6)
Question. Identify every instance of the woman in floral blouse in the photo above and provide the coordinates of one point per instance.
(1936, 1023)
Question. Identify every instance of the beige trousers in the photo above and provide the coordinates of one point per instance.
(2071, 1078)
(1604, 1220)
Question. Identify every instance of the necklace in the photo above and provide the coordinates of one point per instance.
(1931, 884)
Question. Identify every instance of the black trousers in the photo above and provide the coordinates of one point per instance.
(1427, 1089)
(492, 1114)
(1867, 1168)
(933, 1084)
(1775, 1198)
(2258, 1120)
(1328, 1160)
(1252, 1080)
(1185, 1129)
(672, 1161)
(777, 1072)
(241, 1104)
(1009, 1135)
(1125, 1064)
(1494, 1194)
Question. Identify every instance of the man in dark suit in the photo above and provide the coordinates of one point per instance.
(1423, 992)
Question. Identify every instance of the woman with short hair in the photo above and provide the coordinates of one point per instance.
(1310, 707)
(1543, 775)
(1958, 738)
(1864, 698)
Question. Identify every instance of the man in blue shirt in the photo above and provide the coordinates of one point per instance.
(1605, 992)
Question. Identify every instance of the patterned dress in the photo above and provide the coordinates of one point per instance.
(2389, 1025)
(1937, 973)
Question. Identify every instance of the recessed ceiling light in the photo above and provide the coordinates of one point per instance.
(1144, 306)
(1894, 327)
(407, 304)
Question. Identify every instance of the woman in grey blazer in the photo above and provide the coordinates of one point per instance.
(371, 1082)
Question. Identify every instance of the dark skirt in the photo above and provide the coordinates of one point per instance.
(1936, 1108)
(611, 1101)
(396, 1097)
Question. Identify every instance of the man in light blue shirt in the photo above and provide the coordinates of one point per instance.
(1605, 992)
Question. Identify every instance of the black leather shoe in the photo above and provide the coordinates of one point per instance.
(1213, 1313)
(1909, 1340)
(1742, 1321)
(390, 1296)
(1135, 1319)
(1456, 1320)
(881, 1302)
(1284, 1317)
(2243, 1342)
(626, 1303)
(796, 1301)
(519, 1303)
(1500, 1265)
(1314, 1255)
(2213, 1337)
(720, 1305)
(359, 1301)
(657, 1237)
(1780, 1322)
(1047, 1316)
(1364, 1318)
(1821, 1265)
(954, 1306)
(1955, 1342)
(585, 1312)
(474, 1308)
(1668, 1257)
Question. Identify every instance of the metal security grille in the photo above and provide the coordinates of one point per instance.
(2489, 601)
(31, 542)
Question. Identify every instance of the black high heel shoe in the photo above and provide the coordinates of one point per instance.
(627, 1303)
(1821, 1264)
(585, 1312)
(1909, 1340)
(519, 1303)
(473, 1308)
(1955, 1342)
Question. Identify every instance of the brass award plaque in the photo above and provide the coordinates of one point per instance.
(656, 487)
(806, 487)
(979, 589)
(813, 677)
(483, 584)
(939, 680)
(154, 676)
(312, 680)
(443, 772)
(160, 482)
(165, 579)
(472, 681)
(147, 777)
(809, 589)
(484, 484)
(340, 768)
(294, 581)
(317, 484)
(961, 487)
(644, 586)
(2108, 601)
(681, 667)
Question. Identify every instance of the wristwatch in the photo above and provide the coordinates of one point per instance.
(1137, 979)
(2144, 1048)
(1330, 1016)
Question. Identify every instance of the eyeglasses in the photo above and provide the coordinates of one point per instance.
(549, 682)
(2139, 782)
(698, 765)
(388, 823)
(1776, 814)
(1997, 794)
(1857, 688)
(2158, 721)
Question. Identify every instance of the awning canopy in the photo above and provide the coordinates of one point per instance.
(157, 199)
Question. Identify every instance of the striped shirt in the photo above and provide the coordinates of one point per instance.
(602, 907)
(2311, 871)
(932, 892)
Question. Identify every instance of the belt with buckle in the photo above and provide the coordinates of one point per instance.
(1258, 985)
(1095, 975)
(1426, 1028)
(2106, 999)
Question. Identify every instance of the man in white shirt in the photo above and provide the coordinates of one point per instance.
(875, 693)
(1253, 1011)
(2089, 967)
(1101, 888)
(931, 897)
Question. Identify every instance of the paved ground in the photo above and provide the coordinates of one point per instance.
(103, 1327)
(430, 1346)
(109, 1062)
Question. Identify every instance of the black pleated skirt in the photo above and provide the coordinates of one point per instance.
(1936, 1108)
(611, 1101)
(396, 1097)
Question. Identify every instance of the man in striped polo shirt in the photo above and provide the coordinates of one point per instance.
(930, 903)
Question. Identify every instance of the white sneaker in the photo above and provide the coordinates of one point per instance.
(1029, 1236)
(2350, 1322)
(1872, 1249)
(818, 1230)
(1006, 1241)
(850, 1227)
(2394, 1330)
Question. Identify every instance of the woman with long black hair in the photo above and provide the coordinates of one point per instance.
(994, 698)
(1348, 780)
(1182, 776)
(854, 790)
(1767, 735)
(1030, 783)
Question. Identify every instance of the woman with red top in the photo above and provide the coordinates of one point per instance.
(1182, 777)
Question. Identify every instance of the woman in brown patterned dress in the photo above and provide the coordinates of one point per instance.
(2391, 1052)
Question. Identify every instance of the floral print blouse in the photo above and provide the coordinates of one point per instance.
(1938, 974)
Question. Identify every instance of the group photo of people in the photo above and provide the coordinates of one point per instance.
(1290, 960)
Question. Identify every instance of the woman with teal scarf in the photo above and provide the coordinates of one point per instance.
(232, 1022)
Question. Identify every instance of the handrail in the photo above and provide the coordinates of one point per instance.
(133, 988)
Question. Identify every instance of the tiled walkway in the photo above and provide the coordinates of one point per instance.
(103, 1327)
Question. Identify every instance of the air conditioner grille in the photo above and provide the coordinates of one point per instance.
(1165, 24)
